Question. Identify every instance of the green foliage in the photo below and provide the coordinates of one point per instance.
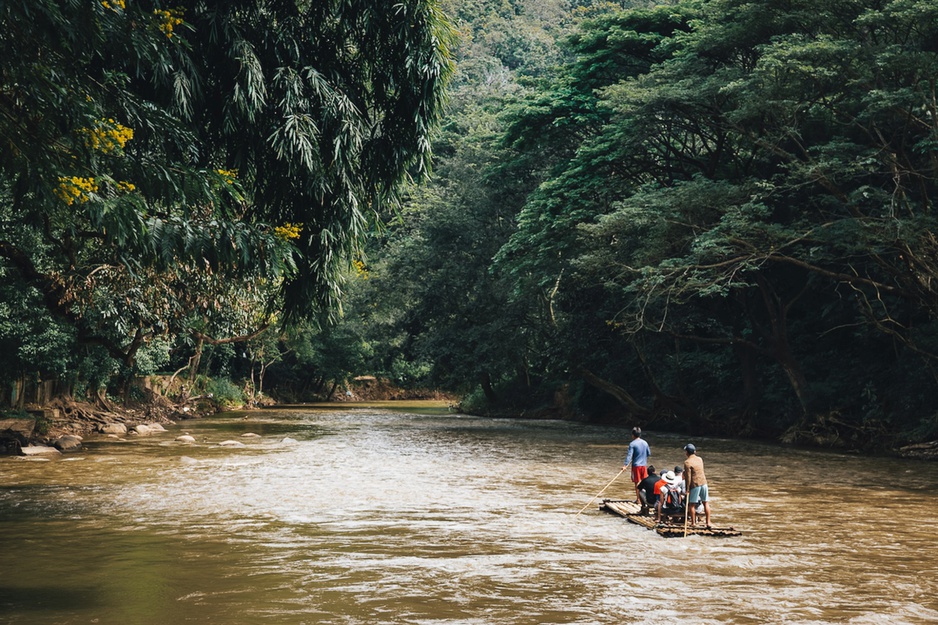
(476, 403)
(224, 393)
(154, 356)
(30, 339)
(200, 171)
(407, 374)
(704, 206)
(705, 215)
(43, 424)
(753, 184)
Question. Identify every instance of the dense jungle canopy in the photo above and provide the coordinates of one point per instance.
(707, 215)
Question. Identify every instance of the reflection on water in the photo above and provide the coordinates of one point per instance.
(378, 515)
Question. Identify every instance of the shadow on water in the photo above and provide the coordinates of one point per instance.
(419, 407)
(238, 427)
(43, 598)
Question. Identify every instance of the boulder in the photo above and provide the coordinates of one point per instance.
(920, 451)
(14, 435)
(68, 443)
(155, 427)
(142, 430)
(250, 435)
(185, 438)
(231, 444)
(23, 428)
(10, 446)
(288, 441)
(117, 429)
(40, 450)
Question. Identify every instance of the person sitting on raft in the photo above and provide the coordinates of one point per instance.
(649, 488)
(671, 496)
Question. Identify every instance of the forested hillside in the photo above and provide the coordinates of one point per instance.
(708, 215)
(716, 216)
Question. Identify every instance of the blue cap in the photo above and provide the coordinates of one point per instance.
(690, 447)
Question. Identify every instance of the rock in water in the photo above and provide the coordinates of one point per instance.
(117, 429)
(68, 443)
(40, 450)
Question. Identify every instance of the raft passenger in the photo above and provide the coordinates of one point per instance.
(639, 451)
(696, 480)
(649, 488)
(671, 498)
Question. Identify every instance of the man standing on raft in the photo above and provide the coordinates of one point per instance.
(639, 451)
(696, 481)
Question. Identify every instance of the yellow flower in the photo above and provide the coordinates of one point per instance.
(230, 175)
(361, 269)
(168, 20)
(288, 231)
(125, 187)
(76, 189)
(115, 4)
(107, 136)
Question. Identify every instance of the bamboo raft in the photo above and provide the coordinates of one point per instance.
(632, 512)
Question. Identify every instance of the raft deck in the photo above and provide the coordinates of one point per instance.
(631, 511)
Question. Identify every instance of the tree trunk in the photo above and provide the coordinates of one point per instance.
(486, 382)
(196, 358)
(616, 391)
(750, 379)
(778, 339)
(665, 402)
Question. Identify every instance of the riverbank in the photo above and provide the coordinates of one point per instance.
(64, 420)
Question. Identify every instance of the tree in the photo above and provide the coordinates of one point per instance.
(145, 145)
(766, 187)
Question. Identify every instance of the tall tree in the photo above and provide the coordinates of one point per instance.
(145, 142)
(765, 187)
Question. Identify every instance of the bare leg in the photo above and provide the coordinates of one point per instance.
(707, 512)
(693, 513)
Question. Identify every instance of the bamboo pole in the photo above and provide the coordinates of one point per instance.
(686, 511)
(601, 492)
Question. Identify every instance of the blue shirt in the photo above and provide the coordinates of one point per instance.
(638, 453)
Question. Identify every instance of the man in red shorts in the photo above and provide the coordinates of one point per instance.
(638, 455)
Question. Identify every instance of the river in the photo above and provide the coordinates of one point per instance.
(383, 515)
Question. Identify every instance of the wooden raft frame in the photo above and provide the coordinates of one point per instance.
(632, 512)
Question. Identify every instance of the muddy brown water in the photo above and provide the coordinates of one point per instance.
(414, 515)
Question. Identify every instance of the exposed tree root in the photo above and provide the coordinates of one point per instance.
(67, 415)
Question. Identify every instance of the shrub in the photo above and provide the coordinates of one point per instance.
(225, 393)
